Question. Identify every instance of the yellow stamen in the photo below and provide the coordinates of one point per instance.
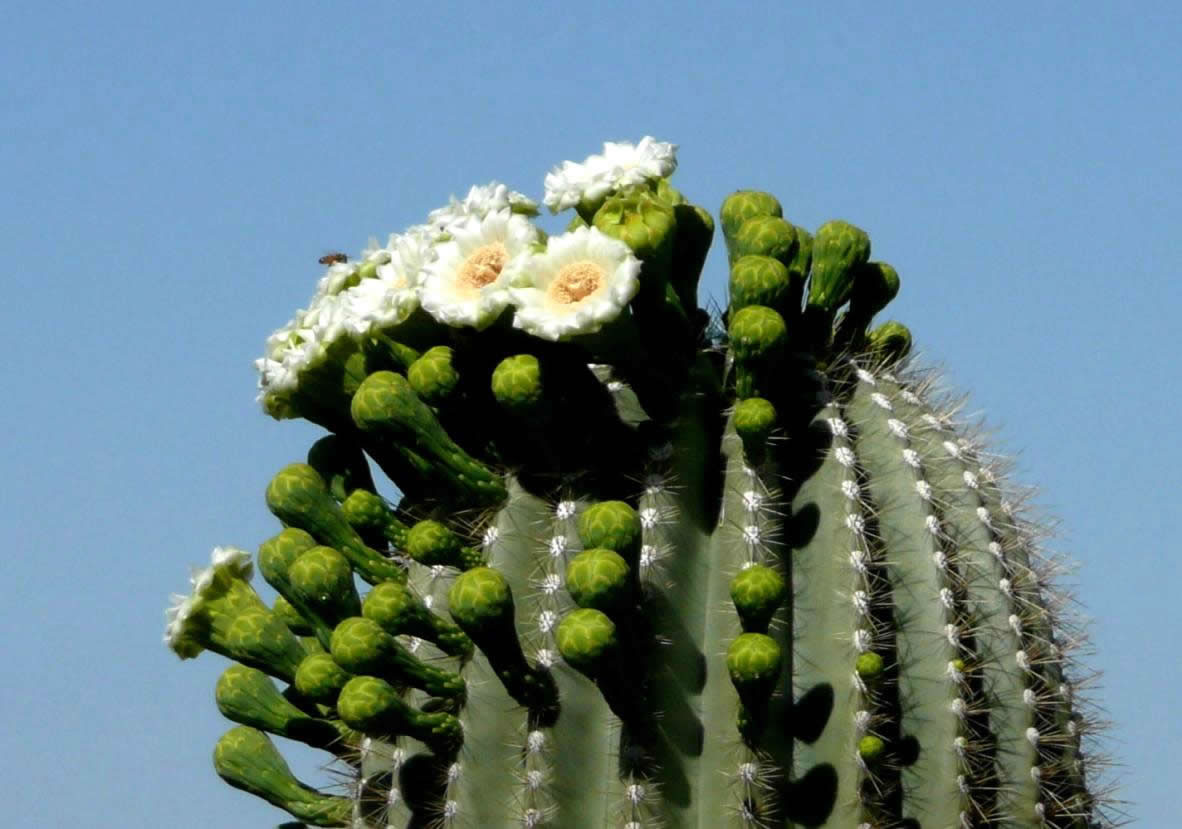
(575, 282)
(483, 266)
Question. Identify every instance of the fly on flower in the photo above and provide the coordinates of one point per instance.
(333, 258)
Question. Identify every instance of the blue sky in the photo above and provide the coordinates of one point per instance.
(173, 172)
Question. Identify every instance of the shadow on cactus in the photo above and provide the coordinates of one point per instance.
(648, 566)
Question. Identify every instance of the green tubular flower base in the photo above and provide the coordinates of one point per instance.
(788, 594)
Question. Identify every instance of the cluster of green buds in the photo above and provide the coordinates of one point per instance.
(646, 566)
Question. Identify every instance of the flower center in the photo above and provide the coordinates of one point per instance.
(575, 282)
(483, 266)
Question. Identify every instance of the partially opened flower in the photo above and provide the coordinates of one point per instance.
(224, 614)
(583, 280)
(622, 165)
(629, 164)
(480, 201)
(338, 277)
(393, 294)
(226, 578)
(290, 351)
(352, 300)
(467, 284)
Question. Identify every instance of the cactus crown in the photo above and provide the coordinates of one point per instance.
(648, 567)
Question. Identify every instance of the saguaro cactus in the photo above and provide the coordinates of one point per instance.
(648, 566)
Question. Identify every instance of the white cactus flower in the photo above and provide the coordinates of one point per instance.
(480, 201)
(227, 566)
(467, 284)
(621, 165)
(583, 280)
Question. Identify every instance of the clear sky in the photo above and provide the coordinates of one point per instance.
(172, 171)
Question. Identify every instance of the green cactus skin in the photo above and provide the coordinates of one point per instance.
(750, 578)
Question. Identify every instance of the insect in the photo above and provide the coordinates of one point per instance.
(333, 258)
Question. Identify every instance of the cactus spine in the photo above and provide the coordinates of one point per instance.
(648, 568)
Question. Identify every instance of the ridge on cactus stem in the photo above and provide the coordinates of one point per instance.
(628, 564)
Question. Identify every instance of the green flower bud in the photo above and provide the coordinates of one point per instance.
(430, 543)
(375, 707)
(695, 232)
(757, 333)
(482, 604)
(370, 515)
(585, 638)
(517, 384)
(291, 617)
(613, 525)
(766, 236)
(839, 250)
(320, 678)
(279, 552)
(432, 376)
(341, 464)
(742, 205)
(599, 579)
(753, 661)
(360, 646)
(641, 221)
(871, 749)
(891, 339)
(247, 696)
(298, 497)
(757, 593)
(758, 280)
(259, 639)
(802, 263)
(668, 194)
(322, 581)
(365, 510)
(869, 665)
(387, 408)
(754, 420)
(247, 759)
(480, 598)
(399, 611)
(875, 285)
